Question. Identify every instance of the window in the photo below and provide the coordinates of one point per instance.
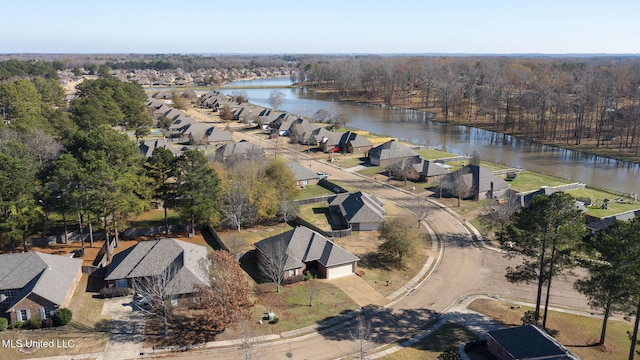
(293, 272)
(23, 315)
(46, 313)
(174, 300)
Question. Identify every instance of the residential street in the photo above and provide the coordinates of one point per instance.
(465, 269)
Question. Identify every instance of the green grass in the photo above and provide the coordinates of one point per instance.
(577, 333)
(311, 191)
(350, 162)
(316, 214)
(431, 346)
(153, 218)
(528, 181)
(599, 195)
(291, 305)
(373, 170)
(433, 154)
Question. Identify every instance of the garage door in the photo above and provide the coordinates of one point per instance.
(339, 271)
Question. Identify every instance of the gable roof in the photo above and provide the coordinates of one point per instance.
(146, 147)
(149, 258)
(238, 149)
(359, 207)
(392, 149)
(304, 245)
(429, 168)
(530, 342)
(479, 178)
(48, 276)
(300, 172)
(604, 222)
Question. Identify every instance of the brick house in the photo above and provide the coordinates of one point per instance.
(180, 261)
(34, 284)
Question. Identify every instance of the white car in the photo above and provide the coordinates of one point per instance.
(322, 175)
(140, 300)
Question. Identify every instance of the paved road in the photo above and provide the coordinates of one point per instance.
(465, 269)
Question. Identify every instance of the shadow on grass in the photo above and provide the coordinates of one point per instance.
(387, 326)
(185, 331)
(373, 260)
(249, 263)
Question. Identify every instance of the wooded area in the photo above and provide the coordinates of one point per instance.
(587, 104)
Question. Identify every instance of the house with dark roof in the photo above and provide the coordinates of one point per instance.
(346, 142)
(306, 249)
(610, 220)
(181, 261)
(363, 212)
(146, 147)
(392, 152)
(301, 131)
(34, 284)
(483, 184)
(302, 174)
(238, 151)
(428, 169)
(526, 342)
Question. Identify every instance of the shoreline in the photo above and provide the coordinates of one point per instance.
(634, 160)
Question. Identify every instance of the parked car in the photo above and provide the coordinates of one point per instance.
(322, 175)
(140, 300)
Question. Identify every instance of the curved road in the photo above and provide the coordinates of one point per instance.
(465, 269)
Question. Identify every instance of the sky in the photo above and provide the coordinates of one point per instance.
(327, 26)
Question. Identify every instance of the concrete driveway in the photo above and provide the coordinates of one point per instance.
(127, 329)
(359, 290)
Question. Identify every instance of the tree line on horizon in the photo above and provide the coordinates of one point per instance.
(565, 101)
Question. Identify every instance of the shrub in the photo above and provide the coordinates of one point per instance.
(4, 323)
(18, 324)
(47, 323)
(308, 275)
(275, 320)
(34, 323)
(114, 292)
(293, 279)
(62, 316)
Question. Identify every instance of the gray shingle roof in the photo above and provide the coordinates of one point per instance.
(529, 342)
(149, 258)
(359, 207)
(301, 172)
(305, 245)
(392, 150)
(146, 147)
(428, 168)
(48, 276)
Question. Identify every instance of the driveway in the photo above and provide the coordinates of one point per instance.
(359, 290)
(127, 329)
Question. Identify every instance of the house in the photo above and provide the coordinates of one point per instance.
(301, 131)
(306, 249)
(526, 342)
(363, 212)
(34, 284)
(355, 143)
(146, 147)
(238, 151)
(430, 169)
(610, 220)
(391, 152)
(203, 134)
(302, 174)
(480, 180)
(181, 262)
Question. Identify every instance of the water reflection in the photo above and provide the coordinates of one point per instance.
(414, 126)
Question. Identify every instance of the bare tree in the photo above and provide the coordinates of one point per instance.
(43, 146)
(237, 206)
(496, 215)
(276, 99)
(421, 210)
(457, 184)
(288, 208)
(248, 338)
(403, 170)
(361, 334)
(312, 289)
(273, 261)
(236, 245)
(157, 291)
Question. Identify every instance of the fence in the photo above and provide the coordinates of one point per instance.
(314, 200)
(212, 238)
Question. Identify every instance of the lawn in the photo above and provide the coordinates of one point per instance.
(598, 195)
(577, 333)
(312, 191)
(433, 154)
(373, 170)
(528, 181)
(86, 331)
(154, 218)
(316, 214)
(291, 305)
(350, 162)
(432, 345)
